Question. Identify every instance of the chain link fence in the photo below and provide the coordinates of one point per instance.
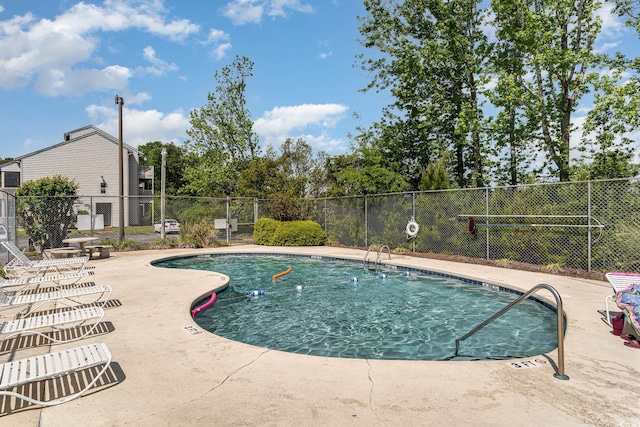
(38, 223)
(592, 226)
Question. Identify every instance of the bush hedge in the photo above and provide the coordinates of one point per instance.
(271, 232)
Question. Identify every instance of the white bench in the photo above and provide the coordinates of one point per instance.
(104, 250)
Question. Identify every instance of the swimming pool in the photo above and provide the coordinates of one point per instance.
(339, 308)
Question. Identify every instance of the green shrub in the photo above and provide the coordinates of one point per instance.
(125, 245)
(199, 235)
(165, 243)
(285, 207)
(288, 233)
(106, 241)
(128, 245)
(263, 230)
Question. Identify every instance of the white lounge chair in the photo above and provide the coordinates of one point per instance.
(21, 265)
(28, 325)
(23, 283)
(33, 301)
(619, 282)
(53, 365)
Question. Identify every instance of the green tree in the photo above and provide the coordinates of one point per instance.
(44, 208)
(285, 177)
(431, 57)
(288, 170)
(222, 142)
(510, 129)
(553, 41)
(436, 176)
(175, 163)
(360, 173)
(614, 116)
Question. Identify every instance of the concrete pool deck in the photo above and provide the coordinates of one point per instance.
(173, 376)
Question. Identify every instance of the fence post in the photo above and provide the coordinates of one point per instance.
(255, 210)
(228, 220)
(325, 215)
(486, 212)
(589, 226)
(413, 217)
(91, 220)
(366, 223)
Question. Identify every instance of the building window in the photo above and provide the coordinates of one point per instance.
(11, 179)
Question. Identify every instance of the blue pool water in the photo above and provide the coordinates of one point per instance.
(338, 308)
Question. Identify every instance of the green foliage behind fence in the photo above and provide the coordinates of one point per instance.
(586, 225)
(591, 225)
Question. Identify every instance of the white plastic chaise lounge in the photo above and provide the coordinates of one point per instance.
(53, 365)
(22, 283)
(34, 301)
(619, 282)
(59, 321)
(21, 265)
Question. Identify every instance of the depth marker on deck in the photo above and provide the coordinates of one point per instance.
(533, 363)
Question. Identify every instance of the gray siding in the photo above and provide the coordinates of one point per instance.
(88, 158)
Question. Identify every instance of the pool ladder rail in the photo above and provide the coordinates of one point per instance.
(378, 253)
(559, 374)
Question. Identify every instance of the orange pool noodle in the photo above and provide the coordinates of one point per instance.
(287, 271)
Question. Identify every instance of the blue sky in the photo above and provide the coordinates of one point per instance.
(63, 61)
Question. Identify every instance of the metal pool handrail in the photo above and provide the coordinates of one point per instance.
(378, 254)
(560, 372)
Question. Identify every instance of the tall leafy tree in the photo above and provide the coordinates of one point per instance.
(431, 57)
(222, 142)
(511, 131)
(616, 111)
(554, 41)
(614, 116)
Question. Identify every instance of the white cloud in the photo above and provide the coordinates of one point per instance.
(220, 51)
(52, 52)
(141, 126)
(284, 119)
(606, 46)
(326, 51)
(298, 121)
(138, 98)
(279, 7)
(326, 143)
(61, 81)
(219, 39)
(159, 67)
(242, 12)
(612, 25)
(216, 36)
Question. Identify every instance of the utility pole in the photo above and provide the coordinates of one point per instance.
(120, 103)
